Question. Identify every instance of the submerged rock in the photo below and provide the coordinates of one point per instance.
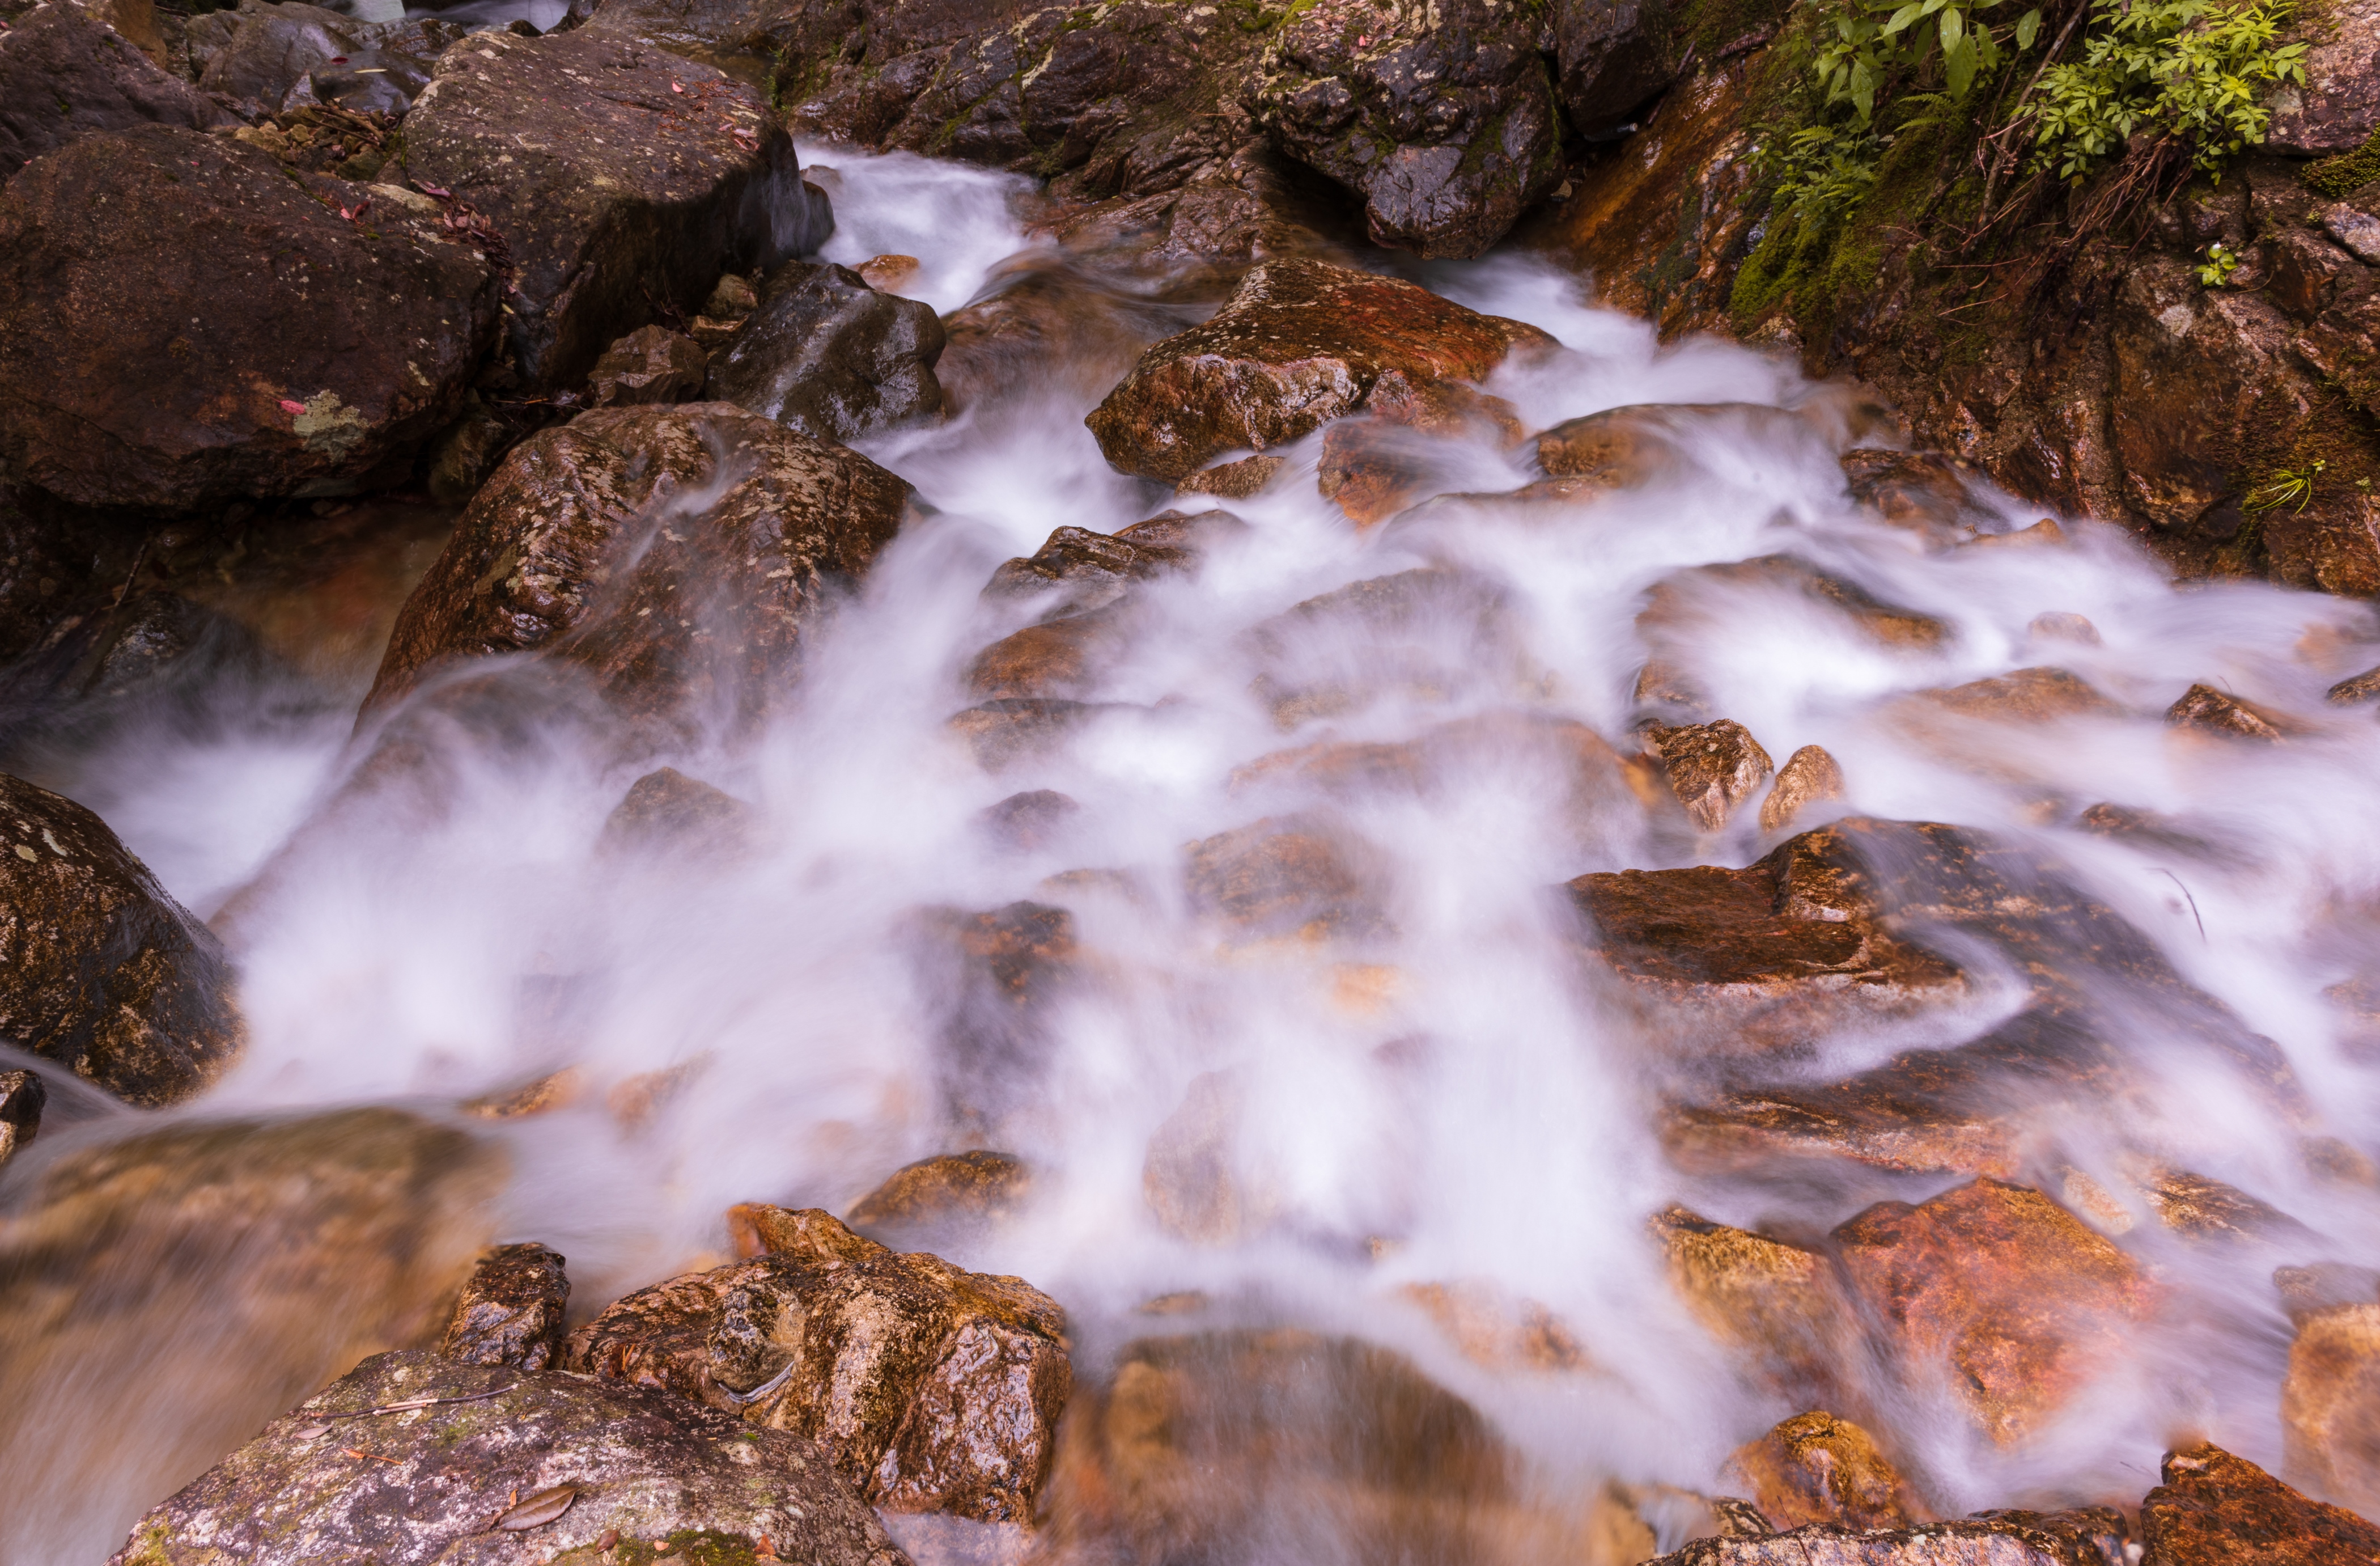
(516, 1470)
(511, 1310)
(829, 355)
(2217, 1509)
(1777, 1305)
(2205, 710)
(667, 813)
(64, 72)
(100, 970)
(21, 1100)
(272, 348)
(2330, 1400)
(2009, 1538)
(1809, 776)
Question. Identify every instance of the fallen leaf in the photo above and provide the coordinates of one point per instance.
(537, 1509)
(677, 87)
(292, 408)
(611, 1537)
(309, 1432)
(439, 192)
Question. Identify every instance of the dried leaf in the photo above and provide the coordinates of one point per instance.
(292, 408)
(536, 1510)
(309, 1432)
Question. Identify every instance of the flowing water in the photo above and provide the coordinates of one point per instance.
(1439, 1094)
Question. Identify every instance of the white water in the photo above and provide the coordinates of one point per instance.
(391, 966)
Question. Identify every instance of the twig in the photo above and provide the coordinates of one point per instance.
(2193, 901)
(323, 1424)
(2007, 154)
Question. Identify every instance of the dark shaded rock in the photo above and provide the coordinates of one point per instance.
(2339, 104)
(2207, 710)
(1920, 490)
(511, 1310)
(106, 975)
(273, 48)
(2217, 1509)
(829, 355)
(1300, 343)
(623, 181)
(1441, 116)
(667, 811)
(1712, 767)
(21, 1099)
(926, 1387)
(1611, 57)
(322, 348)
(952, 1194)
(64, 73)
(1997, 1292)
(644, 1468)
(1282, 878)
(577, 549)
(652, 364)
(466, 452)
(1814, 1468)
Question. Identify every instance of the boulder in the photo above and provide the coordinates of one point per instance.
(64, 73)
(1612, 59)
(1809, 776)
(2332, 1438)
(952, 1194)
(1298, 344)
(2357, 689)
(1405, 445)
(511, 1310)
(2026, 695)
(272, 49)
(1814, 1468)
(622, 180)
(2205, 710)
(1431, 634)
(652, 364)
(2337, 105)
(508, 1469)
(1440, 114)
(994, 976)
(1923, 491)
(829, 355)
(1997, 1292)
(666, 812)
(1060, 657)
(1776, 1305)
(1712, 767)
(2093, 1537)
(276, 346)
(104, 972)
(22, 1097)
(1285, 877)
(1094, 569)
(679, 610)
(2217, 1509)
(1028, 820)
(927, 1389)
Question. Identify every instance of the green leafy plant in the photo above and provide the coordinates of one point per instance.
(1822, 171)
(2221, 261)
(1879, 41)
(2286, 487)
(2195, 70)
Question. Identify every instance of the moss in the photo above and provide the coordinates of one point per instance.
(1709, 26)
(2346, 173)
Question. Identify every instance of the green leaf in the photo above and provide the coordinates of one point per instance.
(1902, 18)
(2028, 27)
(1954, 27)
(1958, 65)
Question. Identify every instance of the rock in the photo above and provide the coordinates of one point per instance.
(1809, 776)
(666, 812)
(1097, 568)
(1612, 59)
(1060, 657)
(2026, 695)
(570, 551)
(1713, 767)
(887, 273)
(1814, 1468)
(2057, 625)
(1684, 609)
(1618, 448)
(623, 181)
(2365, 687)
(1440, 115)
(731, 299)
(1324, 657)
(22, 1098)
(1776, 1303)
(1923, 491)
(64, 73)
(650, 364)
(1495, 1331)
(510, 1310)
(538, 1095)
(321, 351)
(1232, 480)
(951, 1195)
(2203, 709)
(994, 977)
(2217, 1509)
(463, 455)
(1189, 1175)
(1997, 1292)
(829, 355)
(1037, 333)
(929, 1389)
(2330, 1433)
(106, 975)
(1015, 727)
(2339, 104)
(1404, 444)
(643, 1468)
(1283, 878)
(274, 49)
(2202, 1208)
(2007, 1538)
(1299, 343)
(1029, 820)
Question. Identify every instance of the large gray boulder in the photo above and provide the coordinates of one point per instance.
(64, 73)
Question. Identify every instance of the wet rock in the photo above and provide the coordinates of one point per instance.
(1814, 1468)
(1189, 1176)
(646, 1470)
(1398, 450)
(623, 181)
(1300, 343)
(1996, 1292)
(2330, 1400)
(1427, 634)
(952, 1194)
(1029, 820)
(1618, 448)
(2026, 695)
(826, 354)
(1015, 727)
(511, 1310)
(1232, 480)
(887, 273)
(1776, 1303)
(1713, 767)
(926, 1387)
(106, 974)
(1496, 1331)
(2204, 1208)
(466, 452)
(1441, 117)
(2217, 1509)
(64, 72)
(1096, 569)
(21, 1099)
(2006, 1538)
(1809, 776)
(277, 349)
(1282, 878)
(650, 364)
(1920, 490)
(1612, 59)
(2365, 687)
(272, 49)
(1040, 330)
(538, 1095)
(580, 548)
(2203, 709)
(995, 975)
(665, 811)
(1060, 657)
(1686, 609)
(2339, 104)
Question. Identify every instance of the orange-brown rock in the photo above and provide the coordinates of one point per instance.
(1496, 1331)
(666, 812)
(1997, 1292)
(2061, 624)
(2330, 1400)
(1397, 451)
(1775, 1304)
(1618, 448)
(1816, 1468)
(555, 1090)
(887, 273)
(1190, 1175)
(1809, 776)
(1283, 878)
(2217, 1509)
(1430, 632)
(652, 364)
(2026, 695)
(2203, 709)
(1096, 569)
(1232, 480)
(1013, 728)
(928, 1387)
(1058, 657)
(1300, 343)
(2092, 1536)
(1713, 767)
(1923, 491)
(993, 976)
(511, 1310)
(950, 1193)
(2202, 1208)
(2365, 687)
(22, 1097)
(676, 609)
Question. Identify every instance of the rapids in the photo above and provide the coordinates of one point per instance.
(396, 963)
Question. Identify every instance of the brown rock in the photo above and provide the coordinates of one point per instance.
(2204, 1208)
(928, 1388)
(1776, 1303)
(829, 355)
(1687, 607)
(1920, 490)
(887, 273)
(555, 1090)
(952, 1192)
(2365, 687)
(2062, 626)
(322, 348)
(1997, 1291)
(1403, 444)
(1713, 767)
(2207, 710)
(22, 1098)
(1816, 1468)
(1013, 728)
(2330, 1400)
(994, 976)
(2339, 104)
(2217, 1509)
(511, 1310)
(1190, 1174)
(1030, 820)
(104, 972)
(1300, 343)
(1060, 657)
(732, 297)
(1618, 448)
(1232, 480)
(665, 811)
(2093, 1537)
(652, 364)
(2026, 695)
(1496, 1331)
(1282, 878)
(675, 615)
(466, 452)
(66, 71)
(1097, 568)
(1809, 776)
(1324, 657)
